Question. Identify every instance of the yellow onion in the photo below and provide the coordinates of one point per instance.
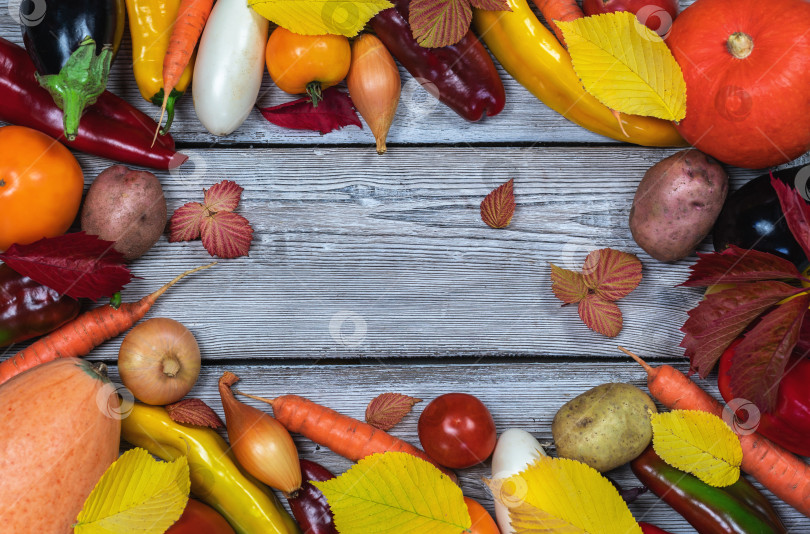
(159, 361)
(374, 85)
(261, 444)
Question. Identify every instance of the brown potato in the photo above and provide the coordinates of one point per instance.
(125, 206)
(676, 204)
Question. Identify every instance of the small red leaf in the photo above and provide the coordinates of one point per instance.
(499, 206)
(797, 213)
(735, 264)
(437, 23)
(600, 315)
(491, 5)
(226, 234)
(612, 274)
(223, 196)
(333, 112)
(568, 286)
(77, 265)
(721, 317)
(761, 357)
(388, 409)
(194, 412)
(186, 222)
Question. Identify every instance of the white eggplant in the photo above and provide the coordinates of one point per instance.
(515, 450)
(230, 65)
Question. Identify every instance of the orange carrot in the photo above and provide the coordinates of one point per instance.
(559, 10)
(785, 475)
(83, 334)
(191, 18)
(345, 435)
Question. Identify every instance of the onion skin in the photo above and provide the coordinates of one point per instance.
(159, 361)
(374, 85)
(261, 444)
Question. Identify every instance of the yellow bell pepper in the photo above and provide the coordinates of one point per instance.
(216, 477)
(150, 24)
(537, 60)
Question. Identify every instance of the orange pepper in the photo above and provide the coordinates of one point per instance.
(307, 63)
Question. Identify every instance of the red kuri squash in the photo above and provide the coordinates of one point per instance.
(747, 70)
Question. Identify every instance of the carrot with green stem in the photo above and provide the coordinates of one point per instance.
(342, 434)
(785, 475)
(559, 10)
(191, 18)
(81, 335)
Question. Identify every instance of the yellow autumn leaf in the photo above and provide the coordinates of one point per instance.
(136, 495)
(317, 17)
(565, 497)
(395, 493)
(626, 65)
(699, 443)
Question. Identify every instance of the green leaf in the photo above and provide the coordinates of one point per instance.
(563, 496)
(699, 443)
(436, 23)
(318, 17)
(395, 493)
(136, 495)
(626, 66)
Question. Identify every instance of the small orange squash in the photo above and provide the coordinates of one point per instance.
(60, 431)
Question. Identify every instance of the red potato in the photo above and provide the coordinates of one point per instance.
(676, 204)
(657, 15)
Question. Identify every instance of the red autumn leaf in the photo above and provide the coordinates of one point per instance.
(77, 265)
(761, 357)
(491, 5)
(797, 213)
(224, 196)
(803, 343)
(568, 286)
(721, 317)
(186, 222)
(499, 206)
(226, 234)
(612, 274)
(194, 412)
(388, 409)
(335, 111)
(735, 264)
(600, 315)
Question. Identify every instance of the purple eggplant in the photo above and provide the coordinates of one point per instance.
(309, 506)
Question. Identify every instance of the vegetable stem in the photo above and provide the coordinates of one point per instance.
(740, 45)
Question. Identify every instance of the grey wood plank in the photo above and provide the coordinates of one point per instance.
(522, 395)
(360, 256)
(420, 118)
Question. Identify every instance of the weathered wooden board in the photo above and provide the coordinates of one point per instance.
(523, 395)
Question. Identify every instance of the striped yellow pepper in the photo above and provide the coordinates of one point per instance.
(150, 24)
(536, 59)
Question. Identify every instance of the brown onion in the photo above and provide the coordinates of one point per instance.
(159, 361)
(261, 444)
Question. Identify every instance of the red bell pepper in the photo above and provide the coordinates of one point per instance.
(788, 424)
(647, 528)
(110, 128)
(462, 76)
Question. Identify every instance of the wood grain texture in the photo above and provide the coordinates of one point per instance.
(534, 393)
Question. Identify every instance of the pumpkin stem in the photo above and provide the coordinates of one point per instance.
(740, 45)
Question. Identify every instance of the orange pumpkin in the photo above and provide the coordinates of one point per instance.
(41, 186)
(747, 69)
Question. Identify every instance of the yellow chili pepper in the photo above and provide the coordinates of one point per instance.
(534, 57)
(150, 24)
(216, 478)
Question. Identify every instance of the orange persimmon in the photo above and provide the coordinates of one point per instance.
(482, 522)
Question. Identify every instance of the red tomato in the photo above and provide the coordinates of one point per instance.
(457, 430)
(657, 15)
(482, 522)
(199, 518)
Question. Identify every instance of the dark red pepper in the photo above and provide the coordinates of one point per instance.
(462, 76)
(788, 424)
(28, 309)
(110, 128)
(647, 528)
(309, 506)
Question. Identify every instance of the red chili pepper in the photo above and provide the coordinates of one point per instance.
(110, 128)
(647, 528)
(462, 76)
(309, 507)
(788, 424)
